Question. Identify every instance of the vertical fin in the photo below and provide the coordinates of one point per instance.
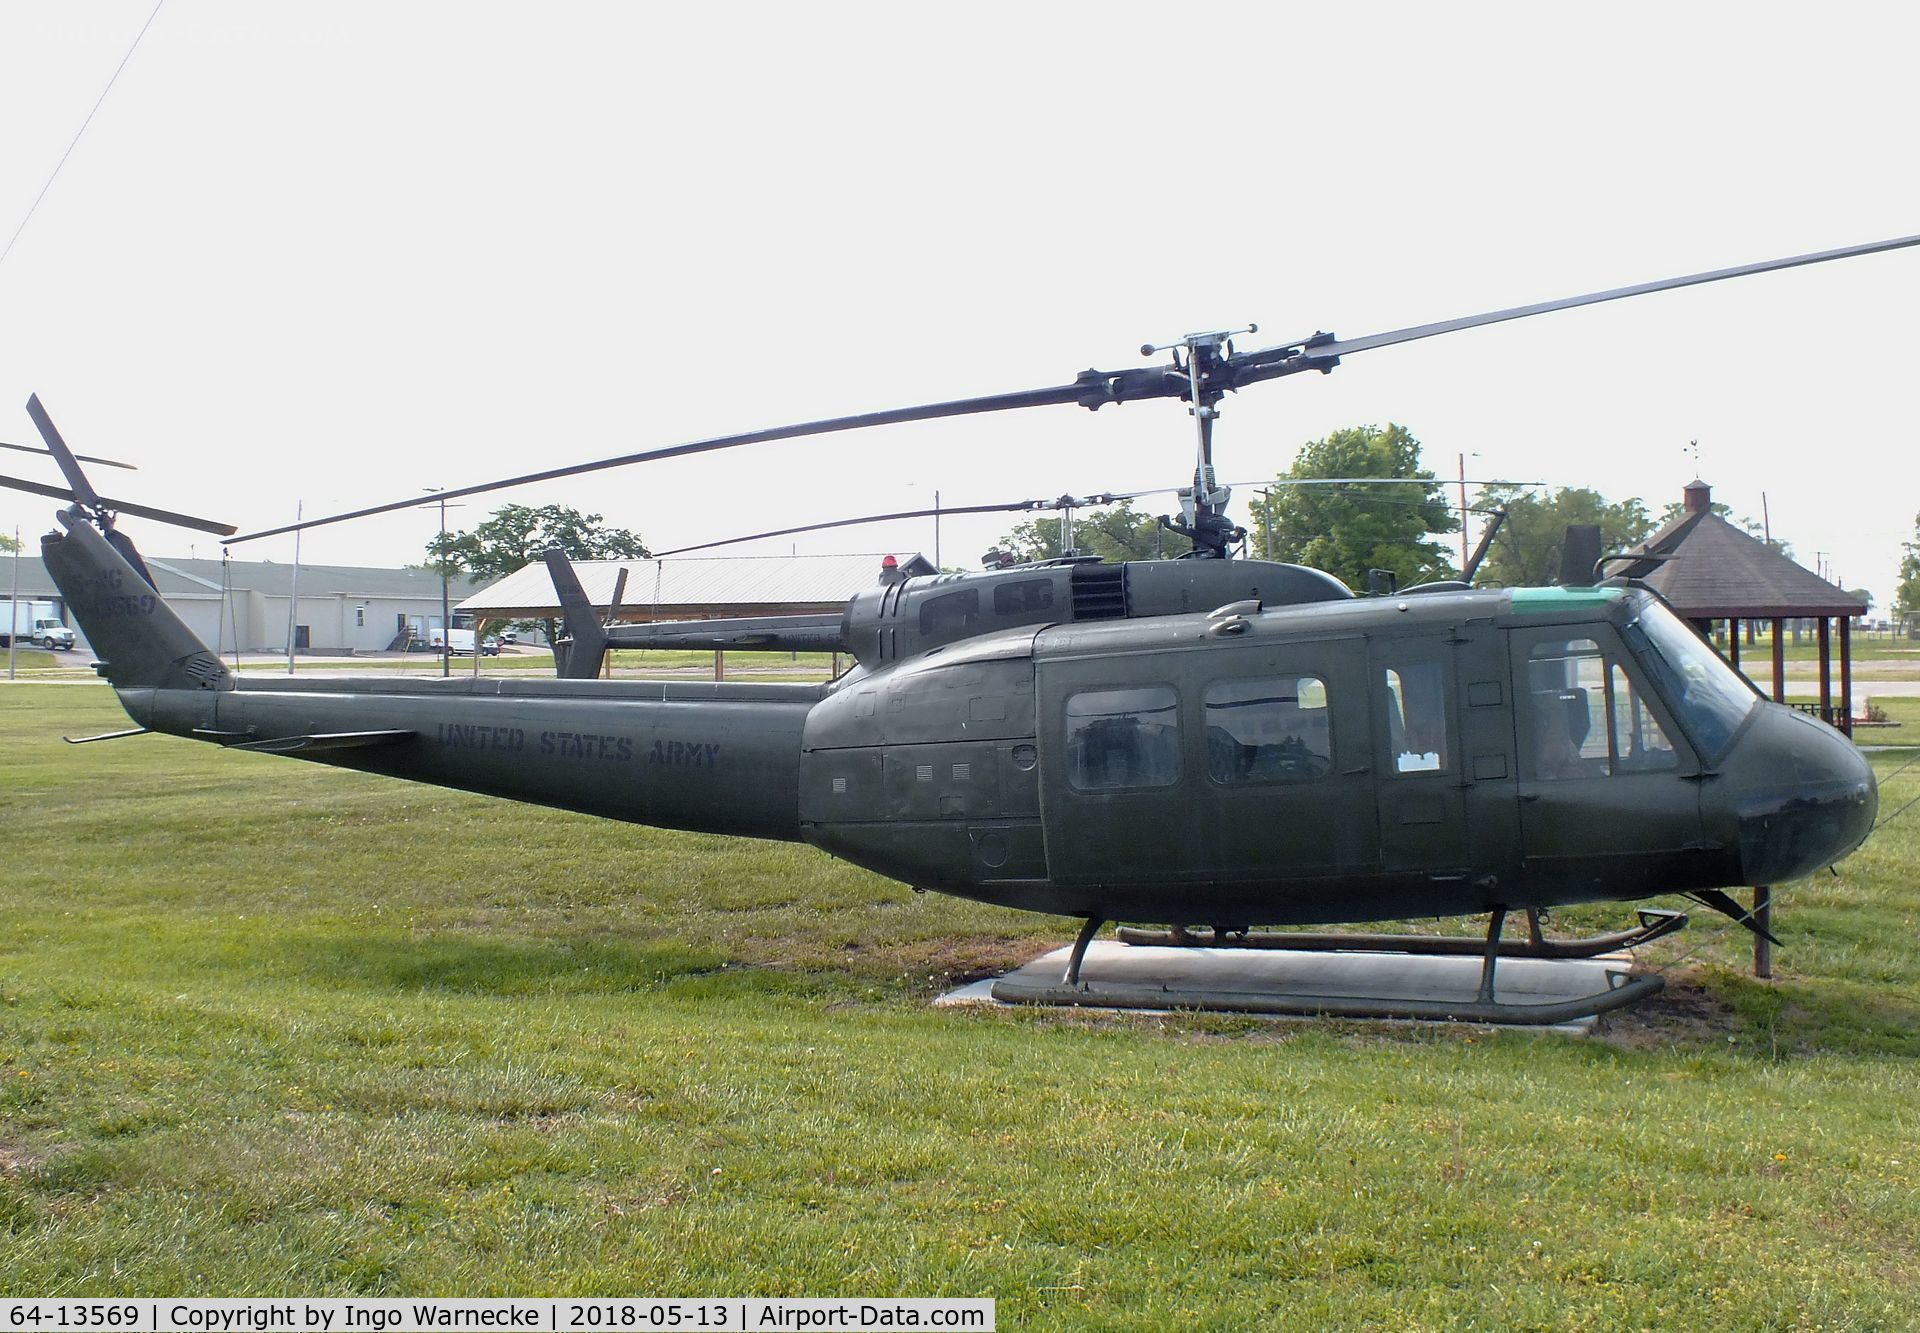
(141, 643)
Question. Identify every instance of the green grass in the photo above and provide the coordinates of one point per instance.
(269, 1027)
(33, 661)
(1904, 711)
(1876, 646)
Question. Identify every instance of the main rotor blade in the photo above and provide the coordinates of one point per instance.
(1344, 346)
(1095, 388)
(123, 507)
(83, 491)
(944, 511)
(84, 458)
(1062, 393)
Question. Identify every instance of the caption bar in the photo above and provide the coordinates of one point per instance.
(389, 1315)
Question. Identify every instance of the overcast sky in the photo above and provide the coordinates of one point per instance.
(332, 254)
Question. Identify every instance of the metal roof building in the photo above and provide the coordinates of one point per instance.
(693, 587)
(244, 603)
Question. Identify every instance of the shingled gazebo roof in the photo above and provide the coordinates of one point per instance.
(1716, 571)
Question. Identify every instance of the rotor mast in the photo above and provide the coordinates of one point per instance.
(1203, 505)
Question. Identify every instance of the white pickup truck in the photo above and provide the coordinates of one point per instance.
(463, 644)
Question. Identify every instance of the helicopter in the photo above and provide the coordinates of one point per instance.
(1208, 743)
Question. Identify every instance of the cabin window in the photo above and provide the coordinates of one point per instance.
(1416, 705)
(1027, 595)
(1586, 718)
(949, 612)
(1268, 730)
(1118, 739)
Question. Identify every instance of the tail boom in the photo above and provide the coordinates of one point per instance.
(712, 758)
(718, 757)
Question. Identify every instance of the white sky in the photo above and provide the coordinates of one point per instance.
(336, 253)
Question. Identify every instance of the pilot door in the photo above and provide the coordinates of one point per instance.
(1608, 797)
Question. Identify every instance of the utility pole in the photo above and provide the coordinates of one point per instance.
(13, 616)
(293, 601)
(1464, 557)
(446, 620)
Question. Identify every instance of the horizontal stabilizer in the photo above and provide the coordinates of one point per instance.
(332, 740)
(586, 646)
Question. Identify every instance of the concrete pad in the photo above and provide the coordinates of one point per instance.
(1261, 981)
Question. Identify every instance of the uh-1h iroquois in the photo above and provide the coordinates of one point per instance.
(1200, 742)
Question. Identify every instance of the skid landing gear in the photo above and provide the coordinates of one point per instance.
(1518, 981)
(1654, 922)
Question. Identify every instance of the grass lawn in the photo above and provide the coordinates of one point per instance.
(1904, 711)
(32, 661)
(270, 1028)
(1865, 646)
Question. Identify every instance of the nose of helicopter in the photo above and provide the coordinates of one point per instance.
(1802, 796)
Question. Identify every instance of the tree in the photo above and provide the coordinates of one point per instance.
(1526, 551)
(1906, 600)
(1349, 530)
(517, 535)
(8, 544)
(1116, 533)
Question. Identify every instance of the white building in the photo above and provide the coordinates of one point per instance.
(244, 604)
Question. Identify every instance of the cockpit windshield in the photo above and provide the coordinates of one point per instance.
(1711, 698)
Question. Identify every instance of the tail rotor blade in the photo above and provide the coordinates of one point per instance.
(69, 465)
(84, 458)
(82, 492)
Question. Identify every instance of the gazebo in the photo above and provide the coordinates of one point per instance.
(1711, 570)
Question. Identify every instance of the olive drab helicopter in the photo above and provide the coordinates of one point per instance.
(1207, 743)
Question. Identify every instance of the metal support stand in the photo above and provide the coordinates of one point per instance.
(1492, 955)
(1763, 920)
(1087, 932)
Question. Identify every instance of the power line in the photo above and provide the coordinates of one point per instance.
(35, 205)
